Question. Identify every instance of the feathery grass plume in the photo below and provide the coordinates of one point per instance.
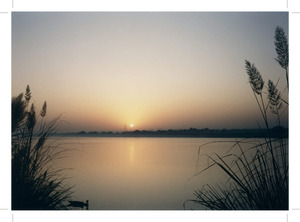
(257, 84)
(255, 78)
(274, 99)
(27, 94)
(44, 110)
(282, 50)
(257, 176)
(36, 184)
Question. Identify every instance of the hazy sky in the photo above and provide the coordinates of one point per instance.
(155, 70)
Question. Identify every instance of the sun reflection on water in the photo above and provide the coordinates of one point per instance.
(131, 153)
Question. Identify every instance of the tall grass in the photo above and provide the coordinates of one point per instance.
(258, 176)
(36, 184)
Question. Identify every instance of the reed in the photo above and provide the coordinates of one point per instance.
(36, 183)
(258, 176)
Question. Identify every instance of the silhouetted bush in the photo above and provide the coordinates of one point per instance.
(36, 184)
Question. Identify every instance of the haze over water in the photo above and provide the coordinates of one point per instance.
(160, 70)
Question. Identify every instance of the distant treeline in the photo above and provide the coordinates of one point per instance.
(192, 132)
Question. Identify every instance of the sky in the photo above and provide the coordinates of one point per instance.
(155, 70)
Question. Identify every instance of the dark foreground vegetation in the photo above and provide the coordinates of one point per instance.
(36, 184)
(258, 177)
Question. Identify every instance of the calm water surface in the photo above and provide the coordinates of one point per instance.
(138, 173)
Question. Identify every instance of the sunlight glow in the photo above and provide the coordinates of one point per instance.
(153, 68)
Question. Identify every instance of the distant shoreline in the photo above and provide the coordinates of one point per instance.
(187, 133)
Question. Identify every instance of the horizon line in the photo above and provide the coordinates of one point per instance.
(153, 130)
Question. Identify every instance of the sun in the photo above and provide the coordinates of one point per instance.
(131, 125)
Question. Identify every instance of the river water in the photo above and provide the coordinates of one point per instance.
(139, 173)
